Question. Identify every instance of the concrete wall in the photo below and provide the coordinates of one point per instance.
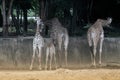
(17, 52)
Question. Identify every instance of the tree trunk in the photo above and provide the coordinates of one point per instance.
(1, 19)
(74, 18)
(18, 21)
(6, 20)
(90, 5)
(25, 21)
(4, 17)
(9, 12)
(15, 22)
(46, 9)
(42, 9)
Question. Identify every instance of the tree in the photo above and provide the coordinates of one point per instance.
(21, 7)
(6, 15)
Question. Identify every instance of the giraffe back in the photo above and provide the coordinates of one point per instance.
(57, 29)
(95, 32)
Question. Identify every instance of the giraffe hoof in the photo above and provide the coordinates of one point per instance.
(30, 68)
(93, 66)
(65, 66)
(100, 65)
(50, 68)
(40, 68)
(56, 67)
(60, 66)
(45, 68)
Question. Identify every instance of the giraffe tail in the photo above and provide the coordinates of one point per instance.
(90, 42)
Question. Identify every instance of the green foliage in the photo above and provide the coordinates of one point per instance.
(12, 29)
(61, 6)
(35, 6)
(31, 21)
(60, 9)
(31, 13)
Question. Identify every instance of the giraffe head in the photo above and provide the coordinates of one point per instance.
(39, 24)
(107, 22)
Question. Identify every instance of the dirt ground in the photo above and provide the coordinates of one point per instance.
(61, 74)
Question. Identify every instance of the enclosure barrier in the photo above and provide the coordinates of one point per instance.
(16, 53)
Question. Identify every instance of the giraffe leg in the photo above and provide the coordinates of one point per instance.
(39, 58)
(66, 47)
(33, 56)
(47, 54)
(91, 49)
(94, 56)
(90, 42)
(54, 56)
(66, 41)
(100, 50)
(51, 56)
(66, 57)
(55, 61)
(60, 63)
(91, 53)
(60, 44)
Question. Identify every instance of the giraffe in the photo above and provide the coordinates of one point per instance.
(95, 35)
(60, 36)
(50, 52)
(38, 43)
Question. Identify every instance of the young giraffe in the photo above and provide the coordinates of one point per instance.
(59, 34)
(95, 34)
(50, 52)
(38, 43)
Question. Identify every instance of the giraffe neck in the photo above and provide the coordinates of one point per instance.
(37, 31)
(103, 22)
(98, 24)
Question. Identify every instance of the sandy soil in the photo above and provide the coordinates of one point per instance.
(62, 74)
